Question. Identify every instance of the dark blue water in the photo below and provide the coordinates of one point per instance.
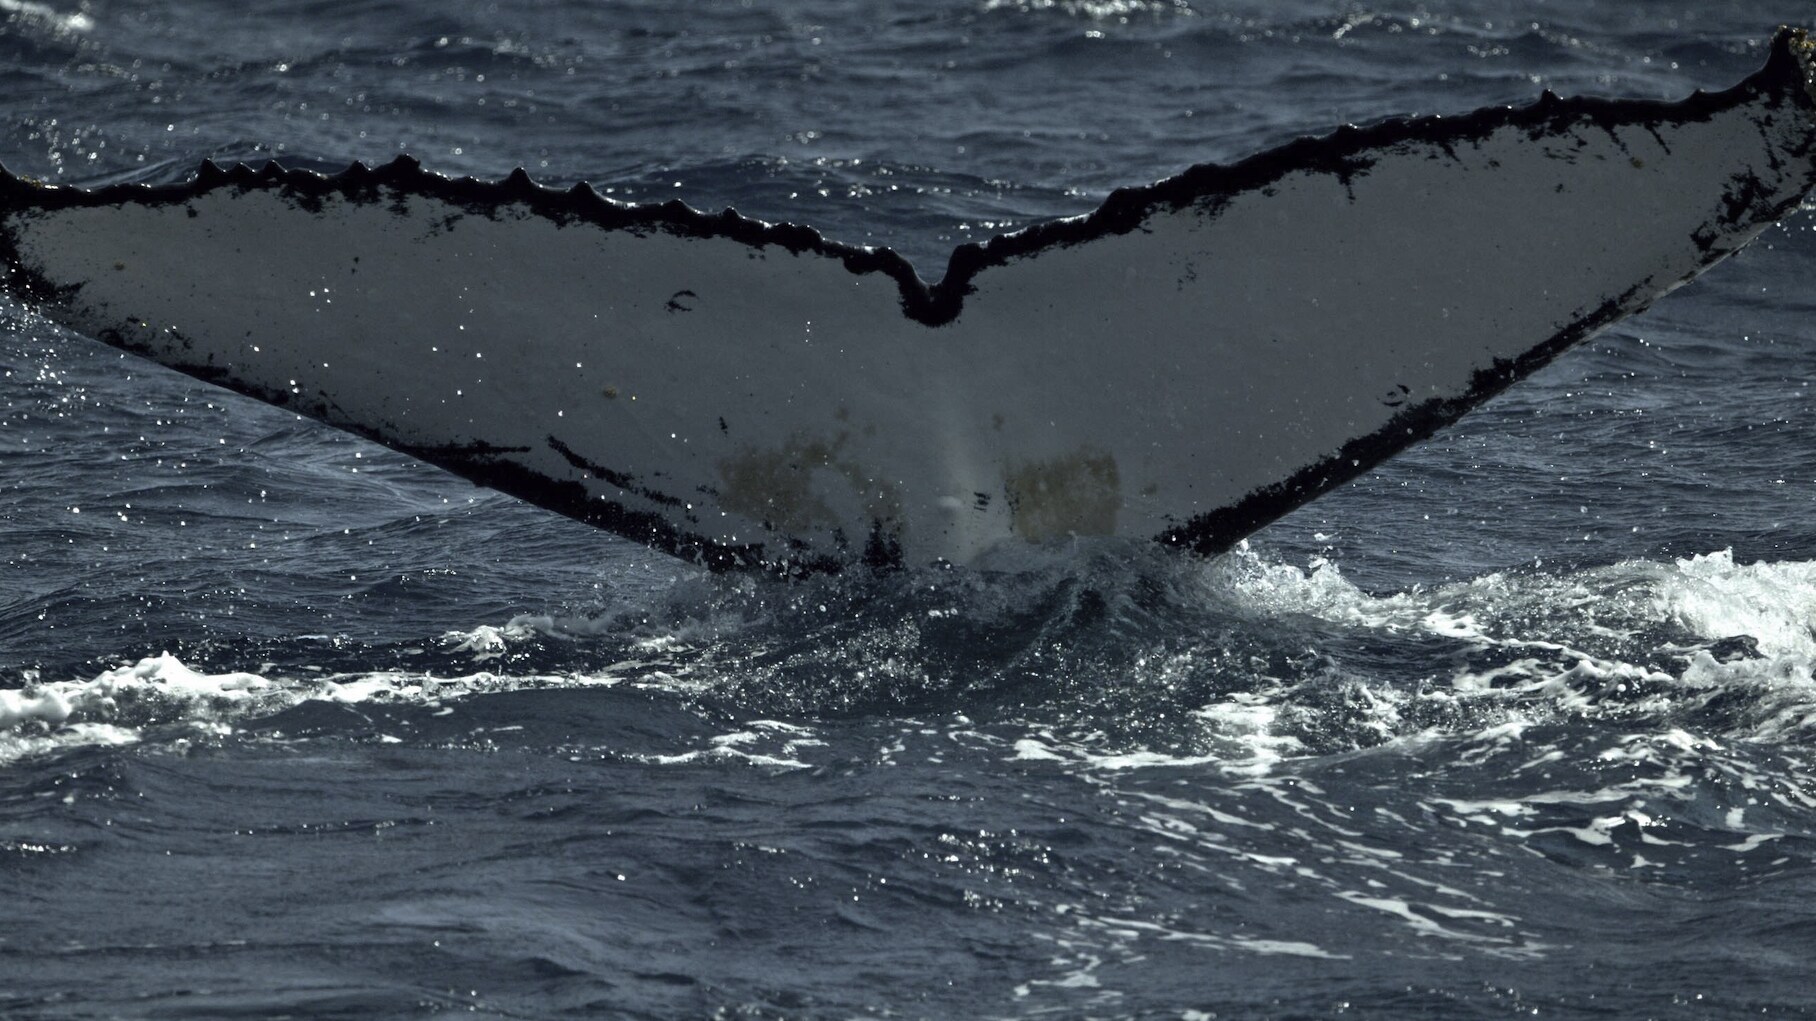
(1522, 723)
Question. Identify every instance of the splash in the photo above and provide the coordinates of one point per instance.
(73, 23)
(1093, 659)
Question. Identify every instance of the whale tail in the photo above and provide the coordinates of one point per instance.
(1189, 362)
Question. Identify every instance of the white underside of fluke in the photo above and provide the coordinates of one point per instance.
(751, 394)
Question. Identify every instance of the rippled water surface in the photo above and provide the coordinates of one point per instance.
(1520, 723)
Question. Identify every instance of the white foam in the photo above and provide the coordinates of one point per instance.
(1569, 633)
(55, 20)
(15, 746)
(1029, 748)
(1753, 841)
(1411, 915)
(1533, 648)
(116, 706)
(1774, 603)
(156, 676)
(1549, 646)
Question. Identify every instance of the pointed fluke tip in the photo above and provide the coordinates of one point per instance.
(1802, 48)
(1791, 55)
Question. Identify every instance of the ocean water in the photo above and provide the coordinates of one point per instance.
(1522, 723)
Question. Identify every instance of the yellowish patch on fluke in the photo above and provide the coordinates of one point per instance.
(789, 487)
(1078, 494)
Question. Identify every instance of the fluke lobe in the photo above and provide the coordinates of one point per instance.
(1187, 363)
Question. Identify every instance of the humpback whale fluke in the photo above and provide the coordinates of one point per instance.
(1189, 362)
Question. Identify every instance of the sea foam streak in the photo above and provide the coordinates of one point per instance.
(1187, 363)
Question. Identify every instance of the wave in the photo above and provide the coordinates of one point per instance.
(1101, 657)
